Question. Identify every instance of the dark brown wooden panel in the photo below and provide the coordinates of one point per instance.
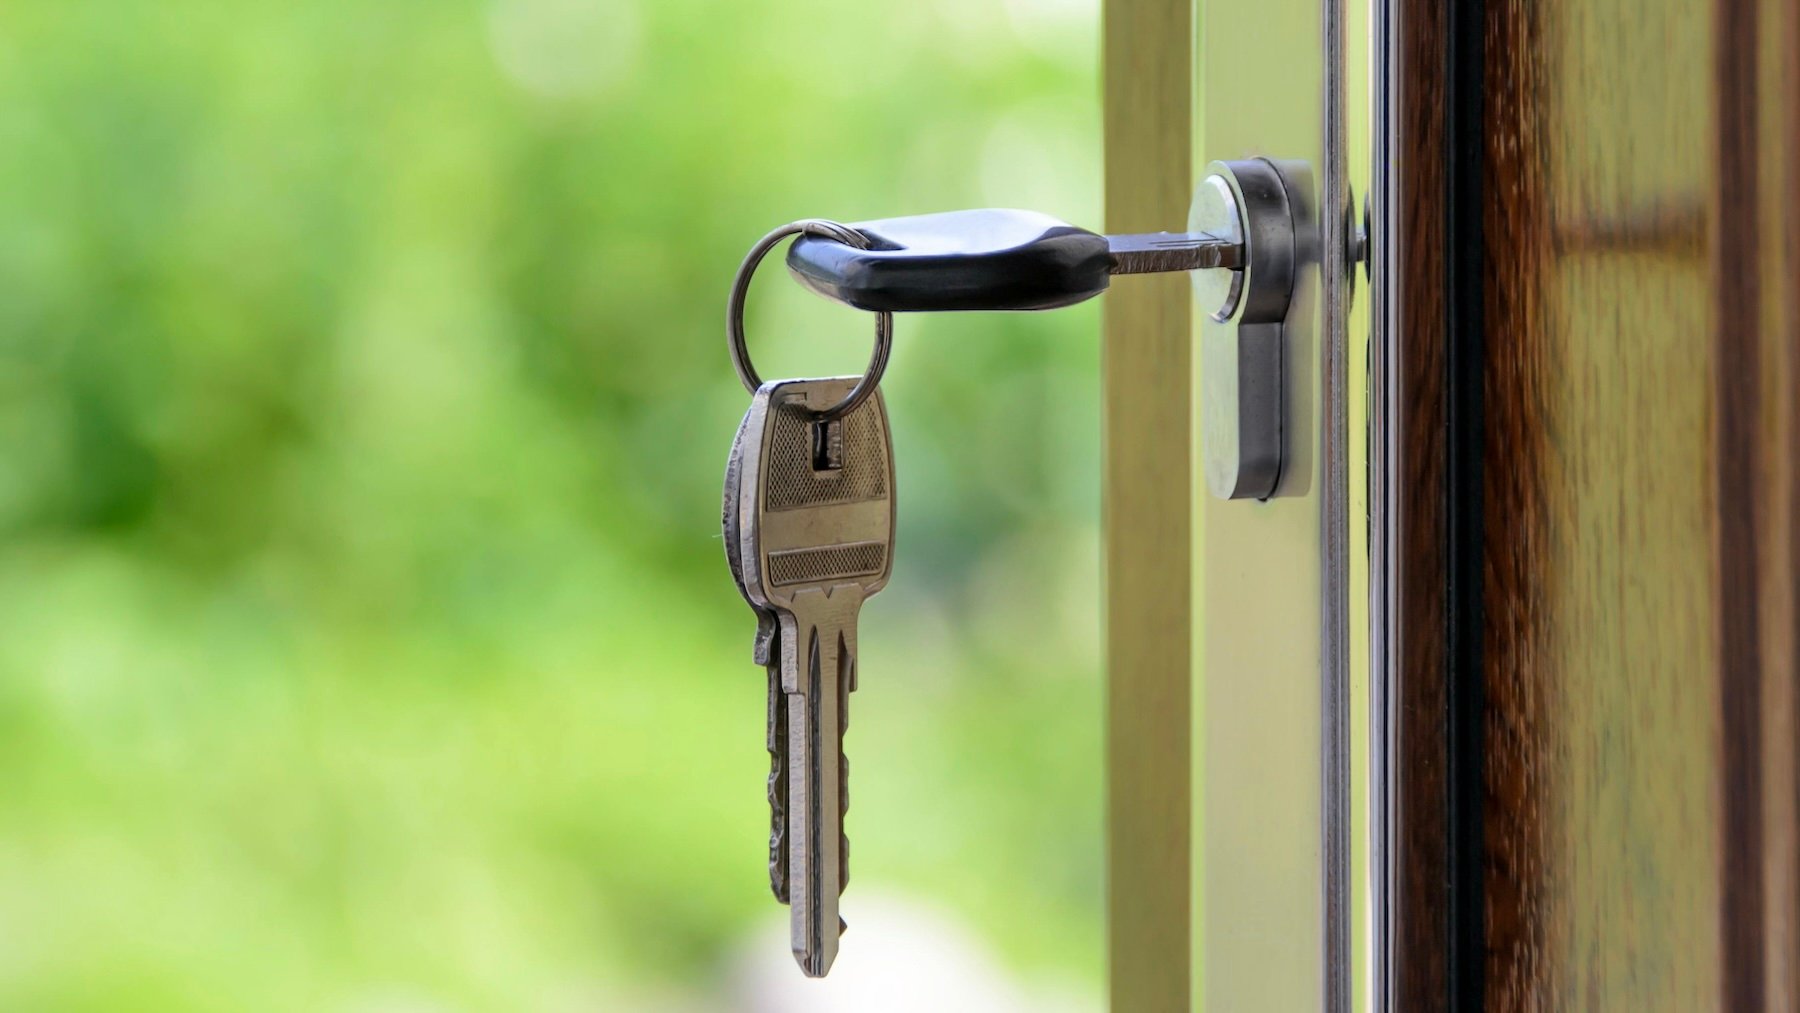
(1592, 504)
(1408, 540)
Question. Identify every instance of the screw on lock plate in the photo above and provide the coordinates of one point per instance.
(1240, 248)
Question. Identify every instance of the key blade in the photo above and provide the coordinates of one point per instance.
(815, 828)
(1157, 252)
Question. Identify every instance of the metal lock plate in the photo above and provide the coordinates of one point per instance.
(1241, 336)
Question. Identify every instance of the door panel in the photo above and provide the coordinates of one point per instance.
(1600, 652)
(1587, 504)
(1273, 829)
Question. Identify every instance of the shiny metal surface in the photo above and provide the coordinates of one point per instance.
(1241, 355)
(740, 288)
(1157, 252)
(1215, 210)
(1338, 664)
(1381, 228)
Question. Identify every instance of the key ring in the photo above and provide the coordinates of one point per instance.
(740, 286)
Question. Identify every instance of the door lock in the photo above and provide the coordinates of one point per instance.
(1240, 247)
(1242, 340)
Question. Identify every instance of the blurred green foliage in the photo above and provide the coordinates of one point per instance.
(365, 638)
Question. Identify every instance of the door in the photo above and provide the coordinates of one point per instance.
(1585, 503)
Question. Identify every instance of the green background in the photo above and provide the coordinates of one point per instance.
(365, 636)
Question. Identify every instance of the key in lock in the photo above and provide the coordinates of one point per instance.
(1241, 246)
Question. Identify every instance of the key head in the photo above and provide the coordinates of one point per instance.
(729, 514)
(764, 646)
(805, 525)
(765, 651)
(988, 259)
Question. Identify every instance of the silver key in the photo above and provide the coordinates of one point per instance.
(763, 652)
(816, 525)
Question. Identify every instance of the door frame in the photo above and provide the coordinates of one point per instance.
(1147, 511)
(1163, 537)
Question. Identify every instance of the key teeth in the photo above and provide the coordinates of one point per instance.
(843, 810)
(776, 788)
(846, 683)
(778, 883)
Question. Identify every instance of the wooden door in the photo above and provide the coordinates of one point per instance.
(1585, 504)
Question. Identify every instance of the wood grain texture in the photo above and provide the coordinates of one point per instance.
(1148, 514)
(1637, 515)
(1778, 514)
(1602, 663)
(1739, 479)
(1416, 504)
(1412, 539)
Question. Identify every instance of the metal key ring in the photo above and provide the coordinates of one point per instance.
(740, 286)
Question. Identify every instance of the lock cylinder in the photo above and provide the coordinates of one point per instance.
(1243, 331)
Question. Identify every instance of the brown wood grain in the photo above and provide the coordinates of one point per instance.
(1737, 474)
(1634, 505)
(1601, 587)
(1523, 363)
(1148, 514)
(1413, 538)
(1777, 512)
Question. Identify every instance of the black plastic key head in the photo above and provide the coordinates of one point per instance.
(989, 259)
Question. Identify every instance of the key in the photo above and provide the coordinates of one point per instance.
(993, 259)
(1243, 248)
(816, 515)
(763, 652)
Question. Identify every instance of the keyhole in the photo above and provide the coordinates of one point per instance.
(828, 445)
